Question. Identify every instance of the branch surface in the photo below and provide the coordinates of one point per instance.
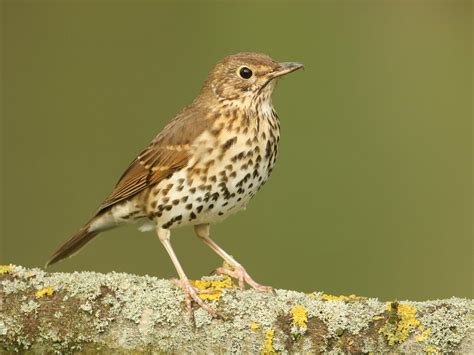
(116, 312)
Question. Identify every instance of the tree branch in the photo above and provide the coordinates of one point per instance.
(118, 312)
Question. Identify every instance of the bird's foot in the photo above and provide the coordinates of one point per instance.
(192, 293)
(239, 273)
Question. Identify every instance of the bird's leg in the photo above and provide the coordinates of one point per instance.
(238, 271)
(191, 292)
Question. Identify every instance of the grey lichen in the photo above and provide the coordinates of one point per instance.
(3, 328)
(119, 312)
(30, 306)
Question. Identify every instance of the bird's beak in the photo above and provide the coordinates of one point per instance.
(280, 70)
(285, 68)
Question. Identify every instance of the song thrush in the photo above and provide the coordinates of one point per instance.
(205, 165)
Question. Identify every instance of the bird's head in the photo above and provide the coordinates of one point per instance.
(246, 77)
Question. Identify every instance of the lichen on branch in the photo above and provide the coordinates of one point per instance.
(66, 312)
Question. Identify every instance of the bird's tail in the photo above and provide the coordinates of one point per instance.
(73, 245)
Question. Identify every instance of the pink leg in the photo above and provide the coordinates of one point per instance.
(190, 291)
(238, 271)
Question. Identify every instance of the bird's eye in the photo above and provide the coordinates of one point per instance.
(245, 73)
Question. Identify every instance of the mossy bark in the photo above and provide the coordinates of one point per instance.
(91, 312)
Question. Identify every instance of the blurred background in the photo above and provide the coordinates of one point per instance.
(372, 192)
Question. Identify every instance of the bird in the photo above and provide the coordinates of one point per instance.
(205, 165)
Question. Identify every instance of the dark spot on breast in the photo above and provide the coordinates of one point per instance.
(228, 143)
(192, 216)
(216, 132)
(153, 204)
(213, 178)
(189, 206)
(243, 180)
(237, 157)
(175, 202)
(180, 188)
(226, 194)
(211, 206)
(166, 199)
(192, 190)
(199, 209)
(221, 213)
(268, 150)
(184, 199)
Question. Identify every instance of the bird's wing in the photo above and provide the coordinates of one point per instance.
(168, 152)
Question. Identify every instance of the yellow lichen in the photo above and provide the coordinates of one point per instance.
(268, 344)
(46, 291)
(325, 297)
(300, 316)
(397, 331)
(424, 335)
(213, 285)
(5, 269)
(431, 349)
(254, 326)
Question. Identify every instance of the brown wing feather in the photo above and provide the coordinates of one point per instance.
(168, 152)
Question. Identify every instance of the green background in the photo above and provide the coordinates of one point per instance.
(372, 191)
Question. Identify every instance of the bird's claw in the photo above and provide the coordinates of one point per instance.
(239, 273)
(192, 293)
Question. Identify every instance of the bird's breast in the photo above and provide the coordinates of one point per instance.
(230, 163)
